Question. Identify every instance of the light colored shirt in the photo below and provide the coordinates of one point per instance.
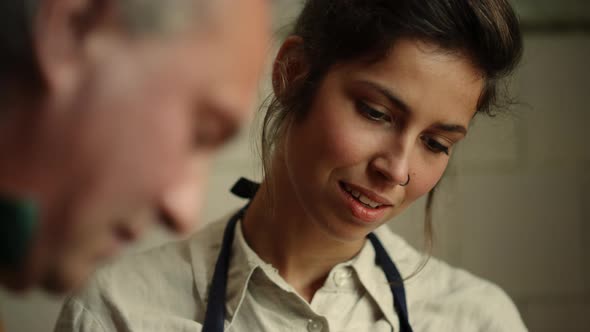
(165, 289)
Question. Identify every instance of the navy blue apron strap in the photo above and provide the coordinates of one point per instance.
(395, 282)
(215, 314)
(245, 188)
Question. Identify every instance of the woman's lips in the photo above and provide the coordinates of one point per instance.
(360, 210)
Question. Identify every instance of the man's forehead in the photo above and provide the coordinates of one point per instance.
(157, 16)
(150, 16)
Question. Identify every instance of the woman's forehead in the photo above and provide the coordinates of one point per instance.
(417, 76)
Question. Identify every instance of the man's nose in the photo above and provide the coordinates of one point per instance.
(179, 207)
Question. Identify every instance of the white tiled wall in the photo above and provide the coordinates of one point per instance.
(557, 313)
(514, 206)
(521, 208)
(585, 235)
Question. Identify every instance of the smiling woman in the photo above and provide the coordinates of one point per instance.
(486, 37)
(370, 99)
(385, 129)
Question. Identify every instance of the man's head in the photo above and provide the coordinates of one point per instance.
(114, 107)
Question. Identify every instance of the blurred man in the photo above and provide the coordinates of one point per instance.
(108, 108)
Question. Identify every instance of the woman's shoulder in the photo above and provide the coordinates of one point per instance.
(449, 294)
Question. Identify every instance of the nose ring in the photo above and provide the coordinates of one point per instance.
(407, 182)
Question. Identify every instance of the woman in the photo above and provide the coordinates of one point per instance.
(370, 99)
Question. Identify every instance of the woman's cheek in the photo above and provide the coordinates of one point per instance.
(328, 139)
(423, 179)
(346, 149)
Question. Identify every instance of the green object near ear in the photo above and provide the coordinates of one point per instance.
(18, 219)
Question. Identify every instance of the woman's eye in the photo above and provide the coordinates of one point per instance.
(435, 146)
(372, 114)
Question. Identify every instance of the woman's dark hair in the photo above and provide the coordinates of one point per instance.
(336, 31)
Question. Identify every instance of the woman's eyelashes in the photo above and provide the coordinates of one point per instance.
(373, 114)
(435, 146)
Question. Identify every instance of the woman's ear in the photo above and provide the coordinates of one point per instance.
(290, 65)
(61, 32)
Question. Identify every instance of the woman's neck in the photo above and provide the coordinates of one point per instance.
(282, 234)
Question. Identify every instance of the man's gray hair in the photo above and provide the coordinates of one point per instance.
(139, 17)
(146, 15)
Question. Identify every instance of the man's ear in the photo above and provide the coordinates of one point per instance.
(290, 65)
(61, 32)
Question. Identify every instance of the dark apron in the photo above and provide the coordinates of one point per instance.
(18, 222)
(215, 314)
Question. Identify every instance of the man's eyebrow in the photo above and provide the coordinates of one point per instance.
(403, 106)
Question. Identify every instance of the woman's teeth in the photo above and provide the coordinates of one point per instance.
(362, 198)
(367, 201)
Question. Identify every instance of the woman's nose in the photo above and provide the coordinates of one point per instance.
(392, 166)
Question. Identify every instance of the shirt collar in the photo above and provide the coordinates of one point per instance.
(205, 246)
(245, 261)
(243, 264)
(373, 279)
(370, 275)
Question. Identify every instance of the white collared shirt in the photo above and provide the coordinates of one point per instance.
(165, 289)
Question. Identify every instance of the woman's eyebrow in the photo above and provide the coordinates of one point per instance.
(399, 103)
(453, 128)
(395, 100)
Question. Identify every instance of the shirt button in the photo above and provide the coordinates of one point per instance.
(314, 325)
(341, 277)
